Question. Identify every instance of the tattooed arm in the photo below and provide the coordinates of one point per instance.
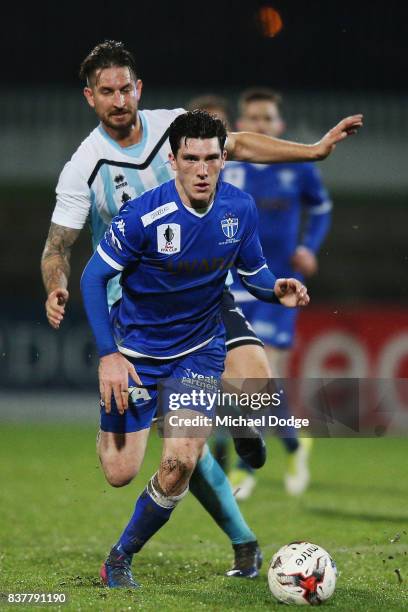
(55, 270)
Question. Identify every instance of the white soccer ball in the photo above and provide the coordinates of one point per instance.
(302, 573)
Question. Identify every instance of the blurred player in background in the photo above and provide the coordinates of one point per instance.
(246, 358)
(282, 193)
(123, 157)
(213, 104)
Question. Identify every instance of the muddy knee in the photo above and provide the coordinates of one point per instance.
(175, 472)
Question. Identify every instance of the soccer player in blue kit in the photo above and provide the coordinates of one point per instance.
(122, 157)
(173, 246)
(282, 192)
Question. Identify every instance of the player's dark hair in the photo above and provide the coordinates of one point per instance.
(257, 94)
(105, 55)
(196, 124)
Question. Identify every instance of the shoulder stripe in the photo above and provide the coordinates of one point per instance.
(111, 262)
(141, 166)
(158, 213)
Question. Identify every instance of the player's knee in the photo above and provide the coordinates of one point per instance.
(117, 474)
(118, 480)
(248, 361)
(178, 466)
(175, 473)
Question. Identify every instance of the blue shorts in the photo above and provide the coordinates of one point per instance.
(184, 373)
(274, 324)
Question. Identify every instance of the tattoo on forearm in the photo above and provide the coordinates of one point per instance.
(55, 265)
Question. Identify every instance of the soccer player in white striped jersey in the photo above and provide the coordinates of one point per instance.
(121, 158)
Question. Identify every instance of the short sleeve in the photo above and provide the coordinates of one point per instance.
(123, 240)
(73, 198)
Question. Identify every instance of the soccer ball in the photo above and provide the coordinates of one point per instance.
(302, 573)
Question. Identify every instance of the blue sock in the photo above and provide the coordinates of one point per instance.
(210, 486)
(152, 511)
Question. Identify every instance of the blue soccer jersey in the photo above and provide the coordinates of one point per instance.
(174, 262)
(281, 192)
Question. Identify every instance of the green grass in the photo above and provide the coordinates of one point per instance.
(59, 519)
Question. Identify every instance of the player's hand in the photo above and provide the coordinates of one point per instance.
(304, 261)
(346, 127)
(291, 292)
(55, 306)
(114, 372)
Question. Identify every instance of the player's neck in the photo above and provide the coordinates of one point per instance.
(198, 206)
(128, 137)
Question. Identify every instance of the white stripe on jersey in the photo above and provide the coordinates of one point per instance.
(107, 259)
(131, 353)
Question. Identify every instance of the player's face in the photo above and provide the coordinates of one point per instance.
(114, 95)
(262, 117)
(198, 165)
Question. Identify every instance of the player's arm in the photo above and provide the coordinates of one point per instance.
(69, 216)
(118, 248)
(55, 270)
(114, 368)
(318, 206)
(262, 284)
(255, 274)
(257, 148)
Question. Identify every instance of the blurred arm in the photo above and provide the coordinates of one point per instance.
(257, 148)
(318, 205)
(316, 229)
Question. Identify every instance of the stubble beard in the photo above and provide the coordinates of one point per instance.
(122, 129)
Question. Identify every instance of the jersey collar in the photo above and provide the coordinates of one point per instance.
(135, 150)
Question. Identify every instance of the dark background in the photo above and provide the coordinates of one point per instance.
(330, 59)
(323, 44)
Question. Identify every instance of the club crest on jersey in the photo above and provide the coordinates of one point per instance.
(168, 238)
(229, 226)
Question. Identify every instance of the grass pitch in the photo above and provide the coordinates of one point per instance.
(59, 519)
